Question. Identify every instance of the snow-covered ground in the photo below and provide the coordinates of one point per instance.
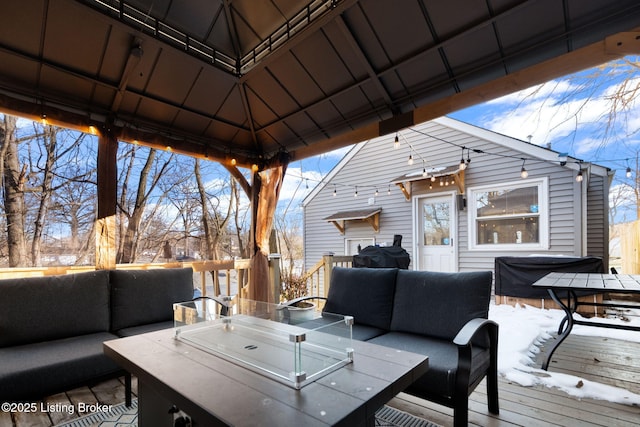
(524, 328)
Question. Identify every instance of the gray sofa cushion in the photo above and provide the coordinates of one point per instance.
(139, 297)
(36, 370)
(364, 293)
(443, 362)
(453, 299)
(27, 313)
(358, 332)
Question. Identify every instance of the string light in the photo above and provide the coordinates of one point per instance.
(523, 171)
(628, 172)
(444, 179)
(463, 165)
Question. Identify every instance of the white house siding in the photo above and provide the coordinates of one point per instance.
(377, 163)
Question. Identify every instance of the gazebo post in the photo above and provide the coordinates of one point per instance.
(107, 194)
(265, 192)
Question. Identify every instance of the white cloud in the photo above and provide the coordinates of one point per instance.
(298, 183)
(559, 112)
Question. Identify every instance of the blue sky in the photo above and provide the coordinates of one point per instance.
(572, 114)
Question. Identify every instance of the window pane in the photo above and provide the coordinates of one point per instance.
(435, 223)
(508, 230)
(514, 201)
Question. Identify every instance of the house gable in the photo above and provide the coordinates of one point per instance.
(372, 167)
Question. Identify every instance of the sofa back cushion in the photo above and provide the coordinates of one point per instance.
(364, 293)
(439, 304)
(140, 297)
(34, 309)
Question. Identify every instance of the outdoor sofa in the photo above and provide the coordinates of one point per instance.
(442, 315)
(52, 328)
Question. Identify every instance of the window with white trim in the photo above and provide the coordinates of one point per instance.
(510, 216)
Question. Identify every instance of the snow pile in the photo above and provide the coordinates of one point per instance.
(523, 329)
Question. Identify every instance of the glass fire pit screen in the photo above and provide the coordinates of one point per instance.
(266, 338)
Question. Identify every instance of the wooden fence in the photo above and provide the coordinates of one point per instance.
(629, 245)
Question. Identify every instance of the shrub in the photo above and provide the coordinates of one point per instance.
(293, 286)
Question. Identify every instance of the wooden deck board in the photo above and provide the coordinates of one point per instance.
(616, 364)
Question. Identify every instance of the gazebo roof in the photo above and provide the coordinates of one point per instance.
(255, 80)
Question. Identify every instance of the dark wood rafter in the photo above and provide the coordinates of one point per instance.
(361, 57)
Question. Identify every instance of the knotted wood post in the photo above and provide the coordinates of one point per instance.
(107, 195)
(264, 198)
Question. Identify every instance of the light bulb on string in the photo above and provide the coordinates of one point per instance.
(523, 171)
(396, 143)
(628, 172)
(355, 194)
(462, 165)
(410, 161)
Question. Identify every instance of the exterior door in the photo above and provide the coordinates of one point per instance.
(436, 229)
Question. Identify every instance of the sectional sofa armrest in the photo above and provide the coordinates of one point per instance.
(472, 328)
(464, 340)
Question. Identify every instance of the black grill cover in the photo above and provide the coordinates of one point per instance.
(381, 257)
(514, 275)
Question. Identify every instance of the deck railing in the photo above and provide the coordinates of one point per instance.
(239, 268)
(234, 273)
(319, 275)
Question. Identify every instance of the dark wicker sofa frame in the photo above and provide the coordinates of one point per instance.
(52, 328)
(442, 315)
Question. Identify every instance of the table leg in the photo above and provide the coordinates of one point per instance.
(152, 408)
(568, 318)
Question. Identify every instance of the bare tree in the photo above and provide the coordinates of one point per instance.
(14, 176)
(133, 210)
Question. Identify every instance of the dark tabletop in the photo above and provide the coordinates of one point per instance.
(213, 390)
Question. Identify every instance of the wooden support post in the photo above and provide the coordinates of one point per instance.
(274, 275)
(107, 193)
(327, 259)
